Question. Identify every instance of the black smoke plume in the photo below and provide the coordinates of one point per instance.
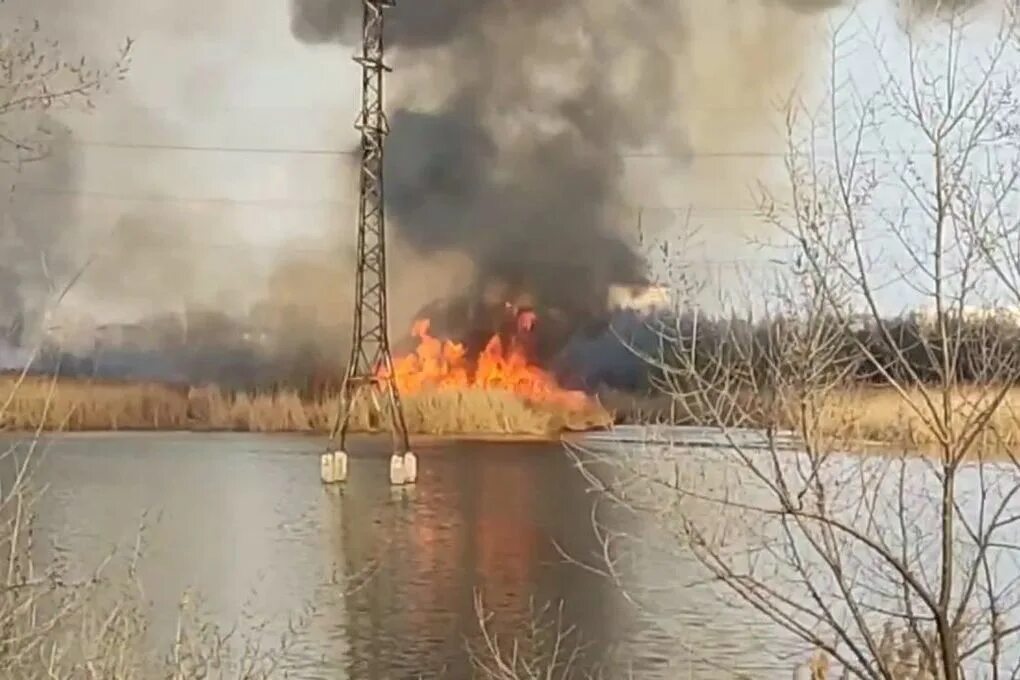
(519, 165)
(508, 132)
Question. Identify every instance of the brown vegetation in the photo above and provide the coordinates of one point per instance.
(74, 405)
(882, 414)
(866, 414)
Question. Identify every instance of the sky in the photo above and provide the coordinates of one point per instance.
(229, 137)
(215, 76)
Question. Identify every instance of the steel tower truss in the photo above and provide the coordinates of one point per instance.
(371, 362)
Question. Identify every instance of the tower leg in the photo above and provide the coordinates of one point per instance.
(333, 463)
(403, 463)
(338, 434)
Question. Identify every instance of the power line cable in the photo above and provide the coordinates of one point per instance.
(192, 246)
(316, 204)
(306, 151)
(313, 203)
(353, 105)
(291, 151)
(295, 203)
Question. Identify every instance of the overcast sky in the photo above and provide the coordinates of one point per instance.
(227, 74)
(210, 74)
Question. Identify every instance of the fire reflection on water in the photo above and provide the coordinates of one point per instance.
(425, 558)
(243, 515)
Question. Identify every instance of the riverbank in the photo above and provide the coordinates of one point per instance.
(857, 417)
(88, 406)
(876, 415)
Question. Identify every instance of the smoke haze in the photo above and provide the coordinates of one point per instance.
(167, 229)
(526, 139)
(512, 124)
(36, 245)
(513, 157)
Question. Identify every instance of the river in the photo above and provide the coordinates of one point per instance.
(391, 577)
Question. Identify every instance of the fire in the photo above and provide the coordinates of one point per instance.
(441, 364)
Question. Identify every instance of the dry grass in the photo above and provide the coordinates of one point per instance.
(98, 406)
(859, 414)
(876, 414)
(885, 416)
(76, 405)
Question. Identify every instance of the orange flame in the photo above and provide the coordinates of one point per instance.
(443, 364)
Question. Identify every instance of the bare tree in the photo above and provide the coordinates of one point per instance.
(55, 625)
(37, 75)
(38, 78)
(894, 559)
(548, 649)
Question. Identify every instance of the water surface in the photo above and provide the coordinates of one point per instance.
(244, 520)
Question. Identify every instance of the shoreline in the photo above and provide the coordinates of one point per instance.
(73, 406)
(854, 419)
(626, 437)
(423, 439)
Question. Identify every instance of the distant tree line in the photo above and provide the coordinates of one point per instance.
(625, 357)
(907, 349)
(207, 348)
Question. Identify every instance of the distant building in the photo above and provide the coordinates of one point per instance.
(927, 315)
(257, 337)
(859, 322)
(643, 299)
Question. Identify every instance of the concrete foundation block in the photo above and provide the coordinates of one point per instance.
(403, 469)
(326, 468)
(411, 467)
(333, 467)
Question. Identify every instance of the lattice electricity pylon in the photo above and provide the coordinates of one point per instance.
(371, 363)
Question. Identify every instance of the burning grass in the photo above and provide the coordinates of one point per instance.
(499, 391)
(74, 405)
(442, 365)
(444, 392)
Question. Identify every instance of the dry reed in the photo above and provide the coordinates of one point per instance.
(883, 415)
(853, 414)
(99, 406)
(858, 414)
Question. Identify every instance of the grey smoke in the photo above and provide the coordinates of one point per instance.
(518, 163)
(539, 218)
(422, 23)
(78, 203)
(542, 229)
(541, 215)
(37, 245)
